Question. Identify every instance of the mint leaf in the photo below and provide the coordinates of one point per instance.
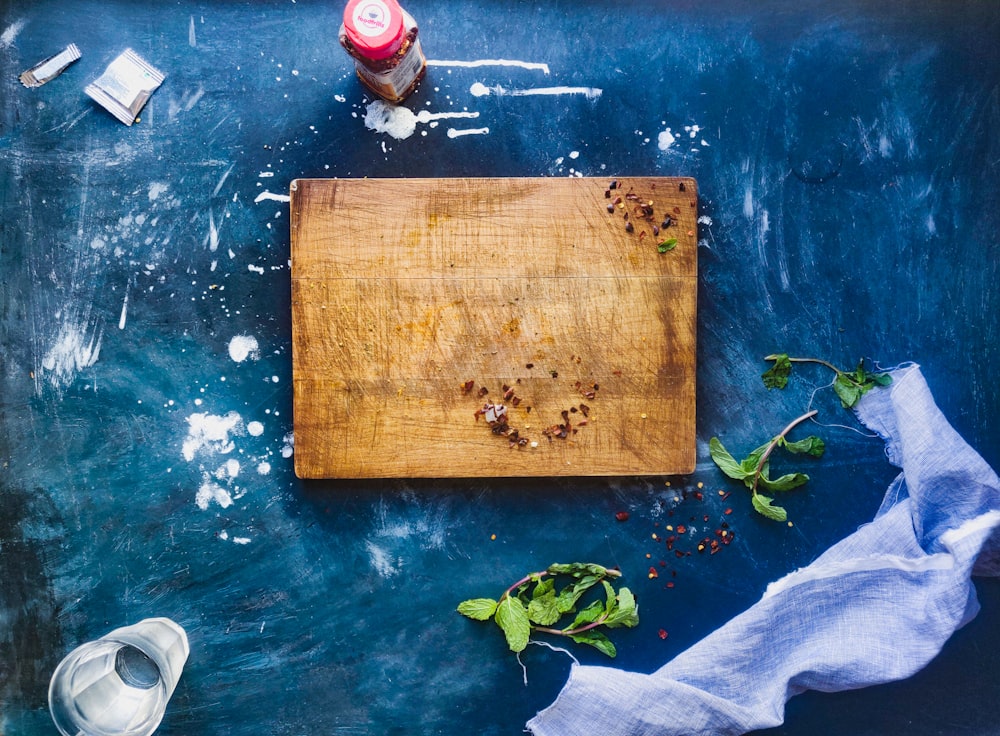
(777, 375)
(626, 613)
(811, 445)
(726, 462)
(597, 640)
(764, 506)
(847, 390)
(544, 610)
(512, 617)
(579, 569)
(664, 245)
(481, 609)
(784, 483)
(588, 615)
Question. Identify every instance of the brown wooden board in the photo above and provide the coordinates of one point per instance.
(406, 290)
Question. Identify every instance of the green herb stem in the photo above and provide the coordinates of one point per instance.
(774, 442)
(571, 632)
(818, 361)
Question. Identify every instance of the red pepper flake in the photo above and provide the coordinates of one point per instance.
(678, 553)
(529, 366)
(653, 573)
(699, 495)
(622, 516)
(681, 529)
(483, 391)
(467, 386)
(663, 633)
(670, 584)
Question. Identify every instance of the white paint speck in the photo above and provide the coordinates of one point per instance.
(242, 347)
(211, 491)
(255, 429)
(157, 188)
(209, 433)
(263, 468)
(665, 140)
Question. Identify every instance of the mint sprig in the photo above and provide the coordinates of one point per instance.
(849, 386)
(533, 604)
(754, 469)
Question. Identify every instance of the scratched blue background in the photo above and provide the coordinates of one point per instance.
(847, 155)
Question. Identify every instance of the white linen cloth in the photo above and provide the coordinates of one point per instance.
(875, 607)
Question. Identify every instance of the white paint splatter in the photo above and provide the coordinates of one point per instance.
(243, 540)
(210, 433)
(242, 347)
(479, 89)
(455, 132)
(537, 66)
(263, 468)
(72, 351)
(665, 140)
(157, 188)
(748, 202)
(265, 195)
(289, 447)
(255, 429)
(401, 122)
(211, 491)
(192, 38)
(384, 564)
(10, 33)
(705, 220)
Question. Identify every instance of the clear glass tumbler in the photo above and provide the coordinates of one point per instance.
(119, 685)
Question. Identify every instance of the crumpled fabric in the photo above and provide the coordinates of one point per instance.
(874, 608)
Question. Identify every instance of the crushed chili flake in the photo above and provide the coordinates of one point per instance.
(663, 633)
(653, 573)
(622, 516)
(467, 386)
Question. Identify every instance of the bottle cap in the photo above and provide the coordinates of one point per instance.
(375, 27)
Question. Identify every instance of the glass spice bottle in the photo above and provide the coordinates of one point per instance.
(381, 37)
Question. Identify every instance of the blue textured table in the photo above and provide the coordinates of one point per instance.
(847, 155)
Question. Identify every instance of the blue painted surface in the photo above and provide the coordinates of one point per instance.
(847, 156)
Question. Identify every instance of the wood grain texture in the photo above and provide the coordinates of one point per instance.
(404, 290)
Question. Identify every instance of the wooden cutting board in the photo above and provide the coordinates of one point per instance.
(419, 303)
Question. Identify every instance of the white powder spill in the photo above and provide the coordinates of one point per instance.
(242, 347)
(265, 195)
(401, 122)
(210, 492)
(157, 188)
(210, 433)
(534, 65)
(479, 89)
(668, 137)
(455, 132)
(10, 33)
(263, 468)
(665, 140)
(255, 429)
(383, 562)
(72, 351)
